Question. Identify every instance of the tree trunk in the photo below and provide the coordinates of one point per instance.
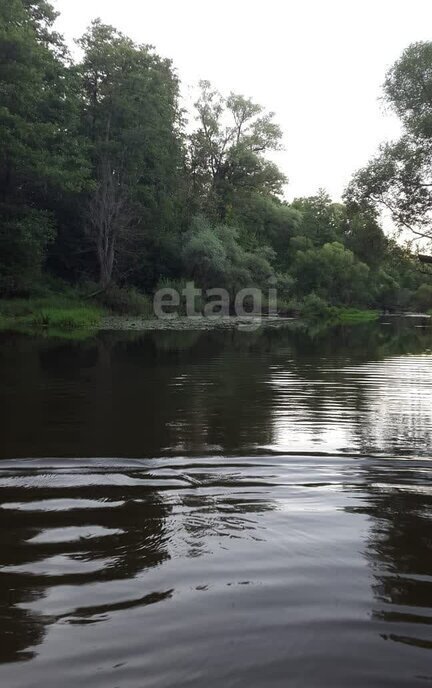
(107, 219)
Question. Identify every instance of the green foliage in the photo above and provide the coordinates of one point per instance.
(130, 116)
(408, 86)
(264, 220)
(24, 237)
(399, 177)
(423, 298)
(333, 273)
(41, 155)
(314, 307)
(100, 182)
(366, 239)
(227, 152)
(67, 318)
(322, 221)
(212, 256)
(125, 301)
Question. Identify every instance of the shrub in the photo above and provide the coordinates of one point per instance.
(24, 236)
(423, 298)
(179, 285)
(315, 307)
(214, 257)
(125, 301)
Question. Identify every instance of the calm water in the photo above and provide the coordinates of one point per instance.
(217, 508)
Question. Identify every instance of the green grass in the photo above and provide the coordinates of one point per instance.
(355, 315)
(78, 317)
(53, 313)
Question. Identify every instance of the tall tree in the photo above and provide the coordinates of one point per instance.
(41, 155)
(228, 151)
(131, 116)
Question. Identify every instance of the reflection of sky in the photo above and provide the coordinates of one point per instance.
(376, 406)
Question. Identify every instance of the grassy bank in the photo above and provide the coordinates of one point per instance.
(59, 313)
(69, 312)
(354, 315)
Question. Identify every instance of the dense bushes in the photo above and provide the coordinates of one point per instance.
(213, 257)
(124, 301)
(423, 298)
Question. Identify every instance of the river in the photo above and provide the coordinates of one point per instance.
(220, 508)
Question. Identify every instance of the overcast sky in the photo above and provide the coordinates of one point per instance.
(319, 64)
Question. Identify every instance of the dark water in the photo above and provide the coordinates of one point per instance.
(217, 508)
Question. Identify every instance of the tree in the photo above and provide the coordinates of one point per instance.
(213, 257)
(41, 154)
(333, 273)
(322, 221)
(264, 220)
(365, 238)
(227, 155)
(108, 217)
(399, 178)
(131, 117)
(423, 297)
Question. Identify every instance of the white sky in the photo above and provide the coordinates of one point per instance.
(319, 64)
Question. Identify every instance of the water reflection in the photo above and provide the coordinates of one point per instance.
(362, 389)
(398, 501)
(279, 534)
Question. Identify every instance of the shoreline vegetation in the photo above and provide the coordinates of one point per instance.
(111, 192)
(70, 315)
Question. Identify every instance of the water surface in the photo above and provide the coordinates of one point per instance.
(217, 508)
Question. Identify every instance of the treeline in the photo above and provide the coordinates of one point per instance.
(102, 185)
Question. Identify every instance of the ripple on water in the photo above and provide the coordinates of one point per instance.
(257, 570)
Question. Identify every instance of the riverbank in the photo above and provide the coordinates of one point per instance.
(63, 315)
(49, 313)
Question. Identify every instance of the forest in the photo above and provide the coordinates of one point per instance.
(110, 190)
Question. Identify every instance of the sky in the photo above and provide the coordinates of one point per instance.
(318, 64)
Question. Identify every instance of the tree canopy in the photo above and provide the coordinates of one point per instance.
(399, 178)
(106, 181)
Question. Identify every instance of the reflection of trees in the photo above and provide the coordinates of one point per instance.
(121, 396)
(145, 394)
(348, 390)
(122, 535)
(153, 393)
(399, 547)
(20, 628)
